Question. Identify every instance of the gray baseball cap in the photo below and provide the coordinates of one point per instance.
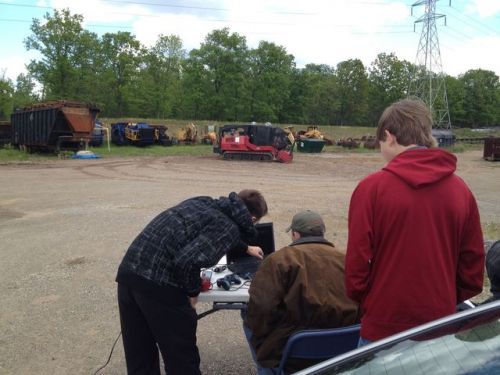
(307, 222)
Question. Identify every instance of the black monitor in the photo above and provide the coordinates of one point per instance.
(264, 239)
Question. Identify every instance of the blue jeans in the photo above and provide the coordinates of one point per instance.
(363, 342)
(248, 335)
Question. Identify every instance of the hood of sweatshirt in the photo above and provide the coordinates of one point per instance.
(236, 209)
(422, 166)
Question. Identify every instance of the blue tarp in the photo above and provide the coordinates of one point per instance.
(86, 155)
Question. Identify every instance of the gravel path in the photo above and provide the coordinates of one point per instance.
(65, 225)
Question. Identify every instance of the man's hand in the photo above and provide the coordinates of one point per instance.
(193, 301)
(255, 251)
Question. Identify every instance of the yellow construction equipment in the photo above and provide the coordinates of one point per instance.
(187, 134)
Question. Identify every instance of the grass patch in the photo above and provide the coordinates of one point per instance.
(344, 150)
(463, 147)
(491, 231)
(10, 154)
(469, 133)
(156, 150)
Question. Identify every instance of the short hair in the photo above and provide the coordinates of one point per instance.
(410, 121)
(254, 201)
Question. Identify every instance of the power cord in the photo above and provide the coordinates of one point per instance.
(243, 284)
(110, 354)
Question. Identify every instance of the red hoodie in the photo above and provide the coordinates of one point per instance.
(415, 245)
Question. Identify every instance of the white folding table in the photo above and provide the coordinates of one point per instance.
(235, 298)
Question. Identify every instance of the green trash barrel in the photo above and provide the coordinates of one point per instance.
(310, 145)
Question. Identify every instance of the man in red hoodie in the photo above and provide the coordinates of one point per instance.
(415, 246)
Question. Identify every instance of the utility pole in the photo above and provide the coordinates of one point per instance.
(428, 82)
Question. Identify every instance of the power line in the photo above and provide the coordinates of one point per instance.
(25, 5)
(159, 5)
(47, 7)
(375, 3)
(461, 33)
(381, 32)
(223, 20)
(210, 19)
(165, 5)
(246, 22)
(87, 25)
(13, 20)
(361, 33)
(486, 28)
(197, 7)
(208, 8)
(227, 9)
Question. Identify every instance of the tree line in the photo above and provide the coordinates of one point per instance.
(223, 80)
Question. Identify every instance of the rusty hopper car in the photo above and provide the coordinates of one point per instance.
(53, 126)
(491, 149)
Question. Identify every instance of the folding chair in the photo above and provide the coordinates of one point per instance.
(320, 344)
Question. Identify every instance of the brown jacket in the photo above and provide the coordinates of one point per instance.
(298, 287)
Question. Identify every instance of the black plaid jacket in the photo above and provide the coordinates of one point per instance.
(176, 244)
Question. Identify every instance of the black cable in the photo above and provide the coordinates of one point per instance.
(245, 283)
(110, 354)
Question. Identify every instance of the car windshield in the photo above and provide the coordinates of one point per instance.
(470, 346)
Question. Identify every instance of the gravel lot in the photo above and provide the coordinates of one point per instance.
(65, 225)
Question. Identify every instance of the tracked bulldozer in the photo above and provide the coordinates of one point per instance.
(255, 142)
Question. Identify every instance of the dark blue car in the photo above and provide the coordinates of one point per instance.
(467, 342)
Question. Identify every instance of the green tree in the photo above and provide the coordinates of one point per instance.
(294, 105)
(6, 102)
(66, 61)
(481, 97)
(321, 103)
(24, 93)
(161, 76)
(221, 62)
(352, 83)
(120, 59)
(388, 81)
(455, 93)
(88, 68)
(195, 87)
(270, 75)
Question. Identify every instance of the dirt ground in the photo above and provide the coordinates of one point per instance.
(65, 225)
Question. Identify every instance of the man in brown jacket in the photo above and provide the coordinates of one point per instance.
(298, 287)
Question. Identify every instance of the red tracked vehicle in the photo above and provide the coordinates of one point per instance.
(255, 142)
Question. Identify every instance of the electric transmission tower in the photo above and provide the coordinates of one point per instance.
(428, 82)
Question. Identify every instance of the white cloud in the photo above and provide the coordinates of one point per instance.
(316, 31)
(102, 11)
(12, 66)
(485, 8)
(479, 55)
(325, 32)
(190, 29)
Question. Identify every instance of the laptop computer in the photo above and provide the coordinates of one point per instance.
(244, 265)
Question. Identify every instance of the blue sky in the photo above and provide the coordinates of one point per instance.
(314, 31)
